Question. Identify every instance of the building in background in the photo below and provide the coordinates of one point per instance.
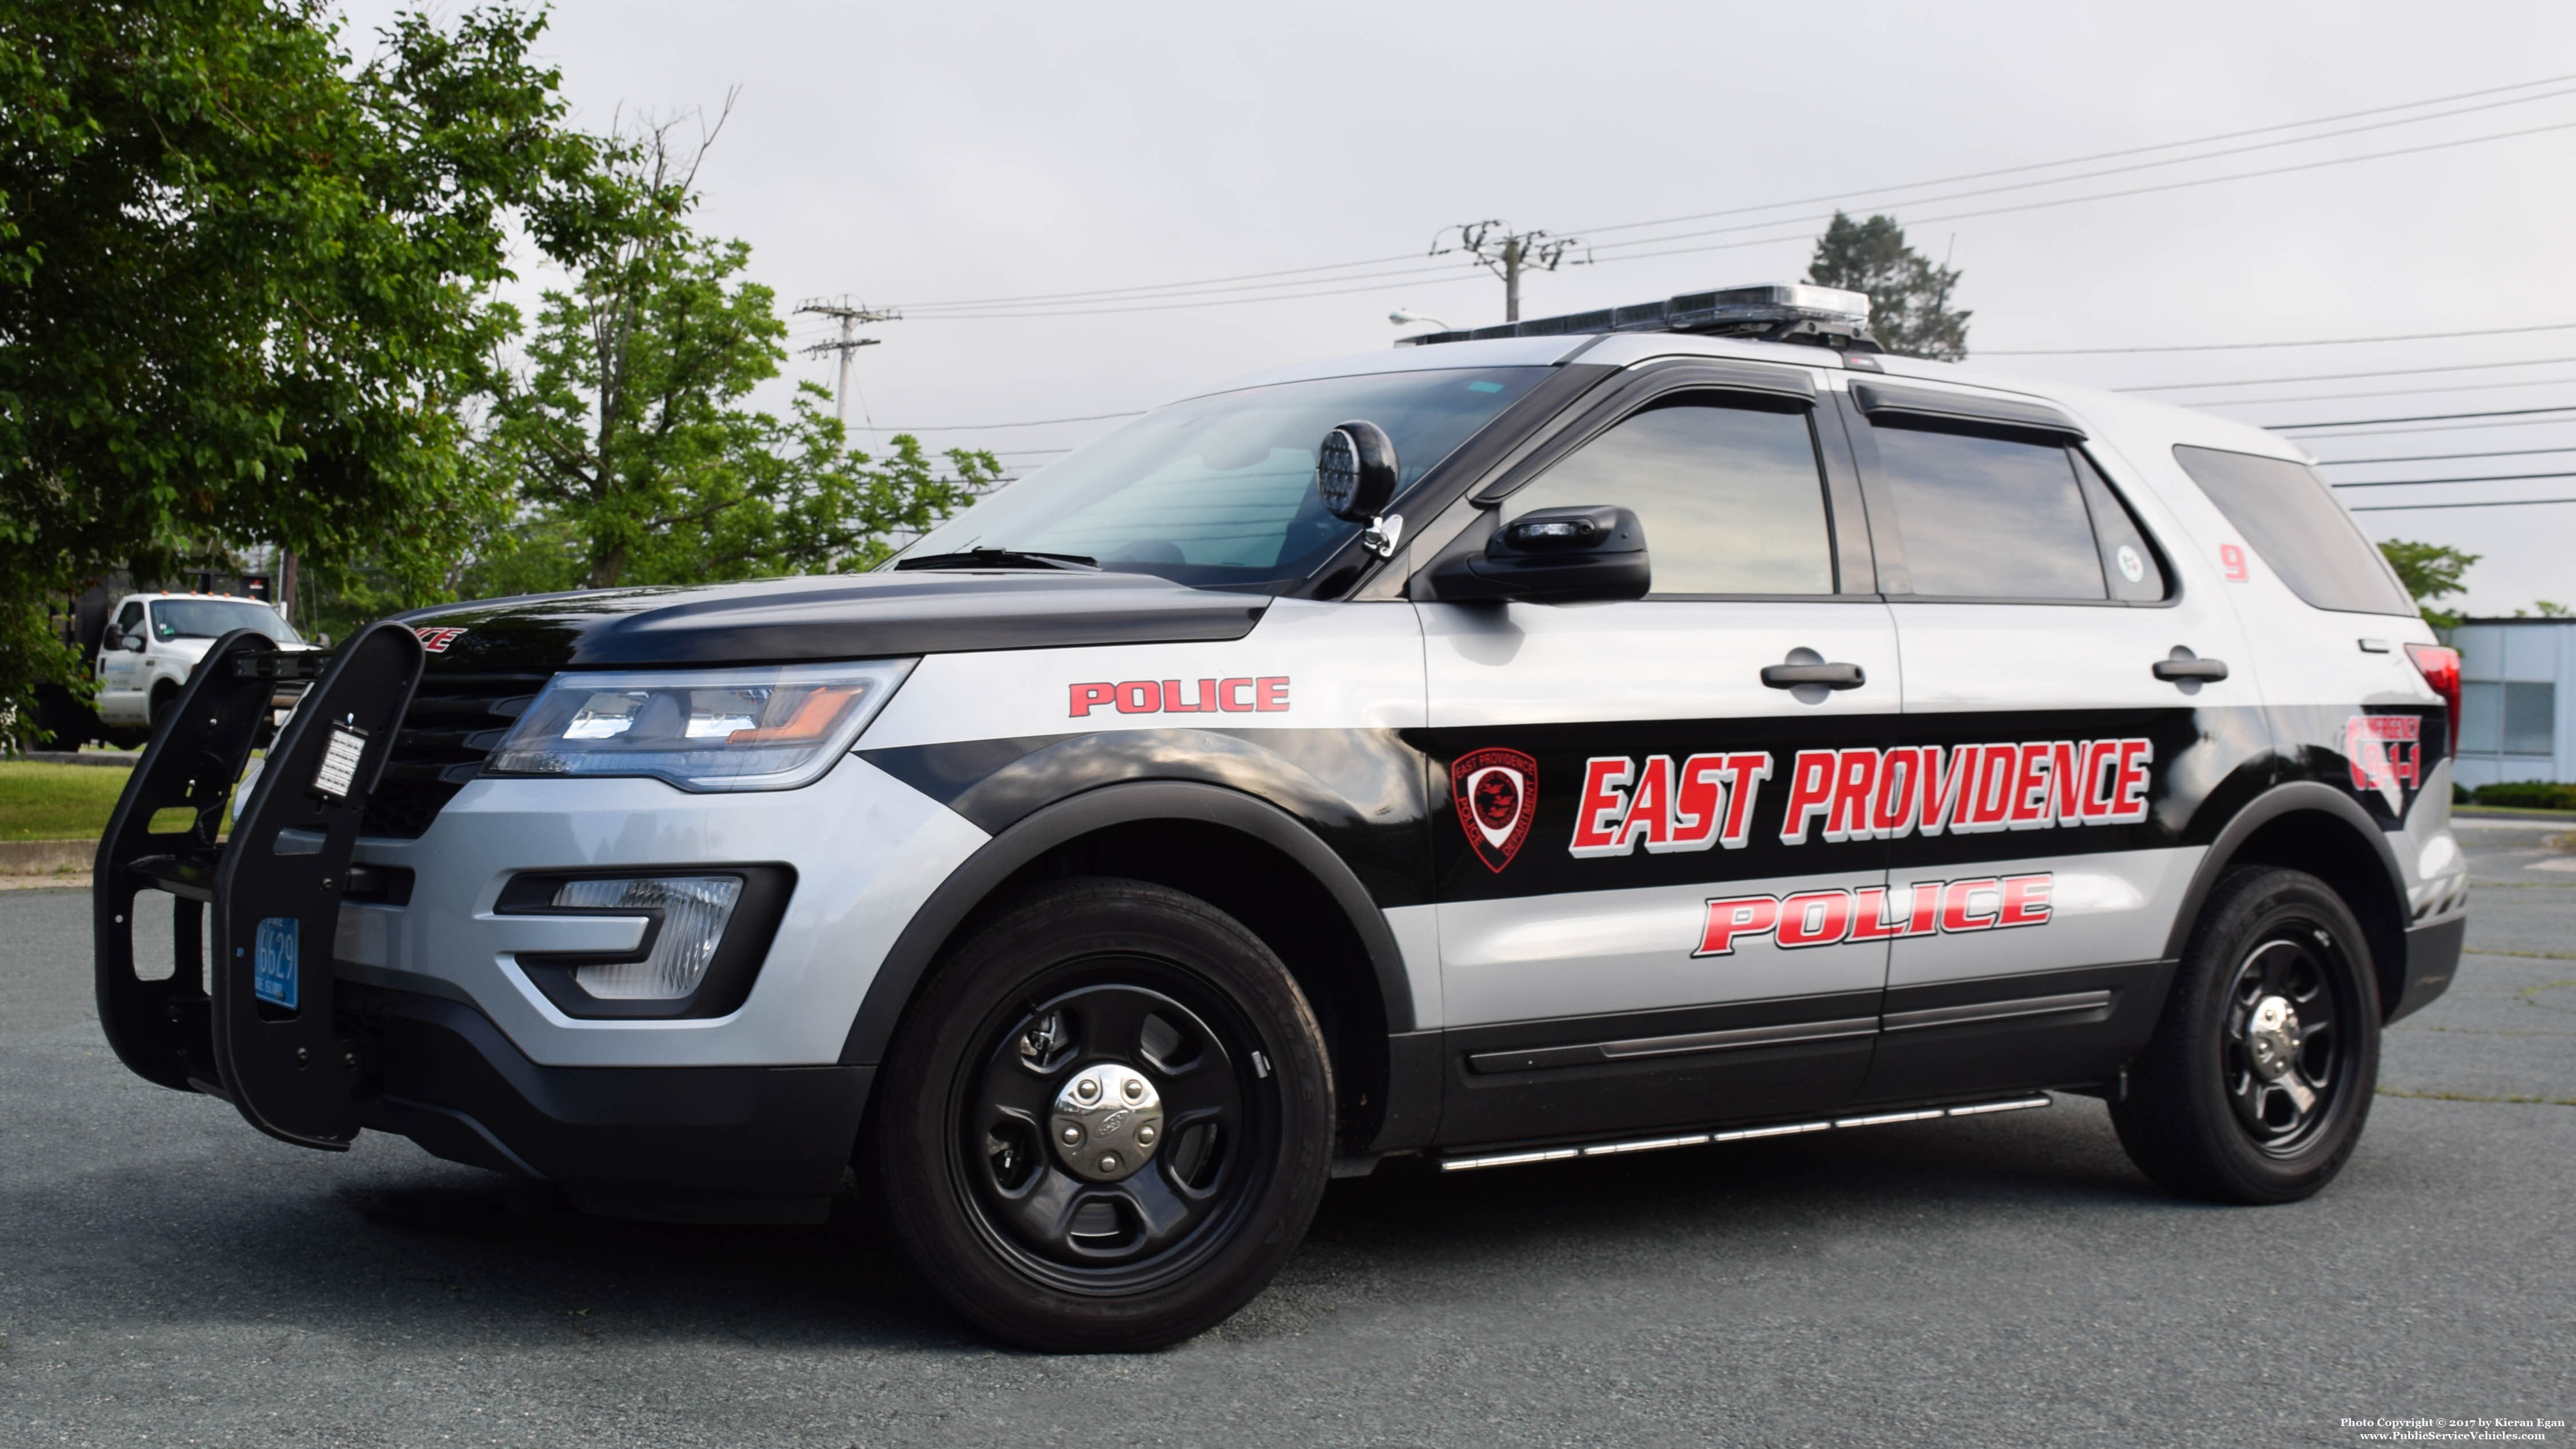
(2513, 672)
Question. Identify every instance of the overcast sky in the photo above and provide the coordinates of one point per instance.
(926, 154)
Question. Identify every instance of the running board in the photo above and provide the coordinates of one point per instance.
(1703, 1139)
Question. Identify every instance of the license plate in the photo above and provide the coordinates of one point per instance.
(273, 976)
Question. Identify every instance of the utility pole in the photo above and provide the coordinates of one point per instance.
(849, 341)
(1507, 253)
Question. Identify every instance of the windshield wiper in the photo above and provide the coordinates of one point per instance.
(1006, 558)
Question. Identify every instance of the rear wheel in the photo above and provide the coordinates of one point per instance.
(1107, 1121)
(2259, 1078)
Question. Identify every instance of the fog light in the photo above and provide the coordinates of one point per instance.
(694, 911)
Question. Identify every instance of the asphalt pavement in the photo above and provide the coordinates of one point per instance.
(168, 1276)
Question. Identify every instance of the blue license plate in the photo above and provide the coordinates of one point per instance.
(273, 967)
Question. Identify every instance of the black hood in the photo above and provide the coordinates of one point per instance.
(838, 616)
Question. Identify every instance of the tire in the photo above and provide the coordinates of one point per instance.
(164, 695)
(2259, 1078)
(1217, 1172)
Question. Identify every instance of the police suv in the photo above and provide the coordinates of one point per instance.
(1640, 730)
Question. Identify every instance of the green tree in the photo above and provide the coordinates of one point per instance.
(1909, 297)
(638, 457)
(2429, 571)
(246, 285)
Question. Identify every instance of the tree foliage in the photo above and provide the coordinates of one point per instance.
(1909, 296)
(2430, 571)
(639, 458)
(246, 283)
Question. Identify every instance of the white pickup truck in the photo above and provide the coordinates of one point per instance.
(155, 639)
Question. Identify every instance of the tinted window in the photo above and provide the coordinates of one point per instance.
(1992, 518)
(1221, 489)
(214, 618)
(1729, 494)
(2530, 719)
(2129, 563)
(2286, 512)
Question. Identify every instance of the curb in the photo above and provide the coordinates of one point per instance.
(47, 857)
(112, 759)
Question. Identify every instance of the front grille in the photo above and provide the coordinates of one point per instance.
(454, 721)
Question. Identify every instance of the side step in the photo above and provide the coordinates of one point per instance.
(1703, 1139)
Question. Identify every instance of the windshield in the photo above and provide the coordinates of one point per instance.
(214, 618)
(1221, 489)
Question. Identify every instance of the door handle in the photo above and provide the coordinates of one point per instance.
(1831, 676)
(2177, 670)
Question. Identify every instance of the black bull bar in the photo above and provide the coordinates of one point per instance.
(254, 1023)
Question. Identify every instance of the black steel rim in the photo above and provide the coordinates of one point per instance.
(2285, 1056)
(1220, 1134)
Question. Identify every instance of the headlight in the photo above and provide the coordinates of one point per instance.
(767, 728)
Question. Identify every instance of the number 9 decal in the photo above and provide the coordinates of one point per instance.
(2232, 560)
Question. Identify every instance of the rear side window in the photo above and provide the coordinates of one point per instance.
(1726, 487)
(2129, 563)
(1985, 517)
(2286, 512)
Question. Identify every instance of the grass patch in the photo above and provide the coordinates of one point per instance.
(57, 802)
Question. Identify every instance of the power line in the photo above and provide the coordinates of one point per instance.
(2428, 482)
(2420, 418)
(2437, 428)
(1165, 290)
(2106, 171)
(2244, 346)
(2500, 503)
(980, 427)
(2110, 155)
(2256, 402)
(1804, 233)
(2438, 457)
(2132, 191)
(2342, 376)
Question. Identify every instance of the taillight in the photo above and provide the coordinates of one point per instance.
(2441, 669)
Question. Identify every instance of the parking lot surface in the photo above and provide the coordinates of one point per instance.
(168, 1276)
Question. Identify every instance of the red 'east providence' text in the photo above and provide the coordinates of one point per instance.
(1268, 695)
(1869, 794)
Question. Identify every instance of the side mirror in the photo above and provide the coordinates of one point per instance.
(1356, 476)
(1554, 556)
(131, 643)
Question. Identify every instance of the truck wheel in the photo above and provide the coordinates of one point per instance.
(164, 695)
(1107, 1120)
(2259, 1078)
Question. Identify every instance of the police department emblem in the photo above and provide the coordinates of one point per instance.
(1496, 792)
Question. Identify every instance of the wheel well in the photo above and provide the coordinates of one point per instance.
(1275, 899)
(2328, 849)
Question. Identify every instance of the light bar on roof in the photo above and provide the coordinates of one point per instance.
(1774, 309)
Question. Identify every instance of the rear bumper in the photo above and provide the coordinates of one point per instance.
(678, 1144)
(2432, 959)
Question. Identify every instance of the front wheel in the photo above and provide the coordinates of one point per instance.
(2259, 1078)
(1107, 1121)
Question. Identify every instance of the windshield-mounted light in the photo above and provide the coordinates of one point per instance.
(770, 727)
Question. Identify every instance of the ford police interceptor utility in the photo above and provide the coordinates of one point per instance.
(1639, 730)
